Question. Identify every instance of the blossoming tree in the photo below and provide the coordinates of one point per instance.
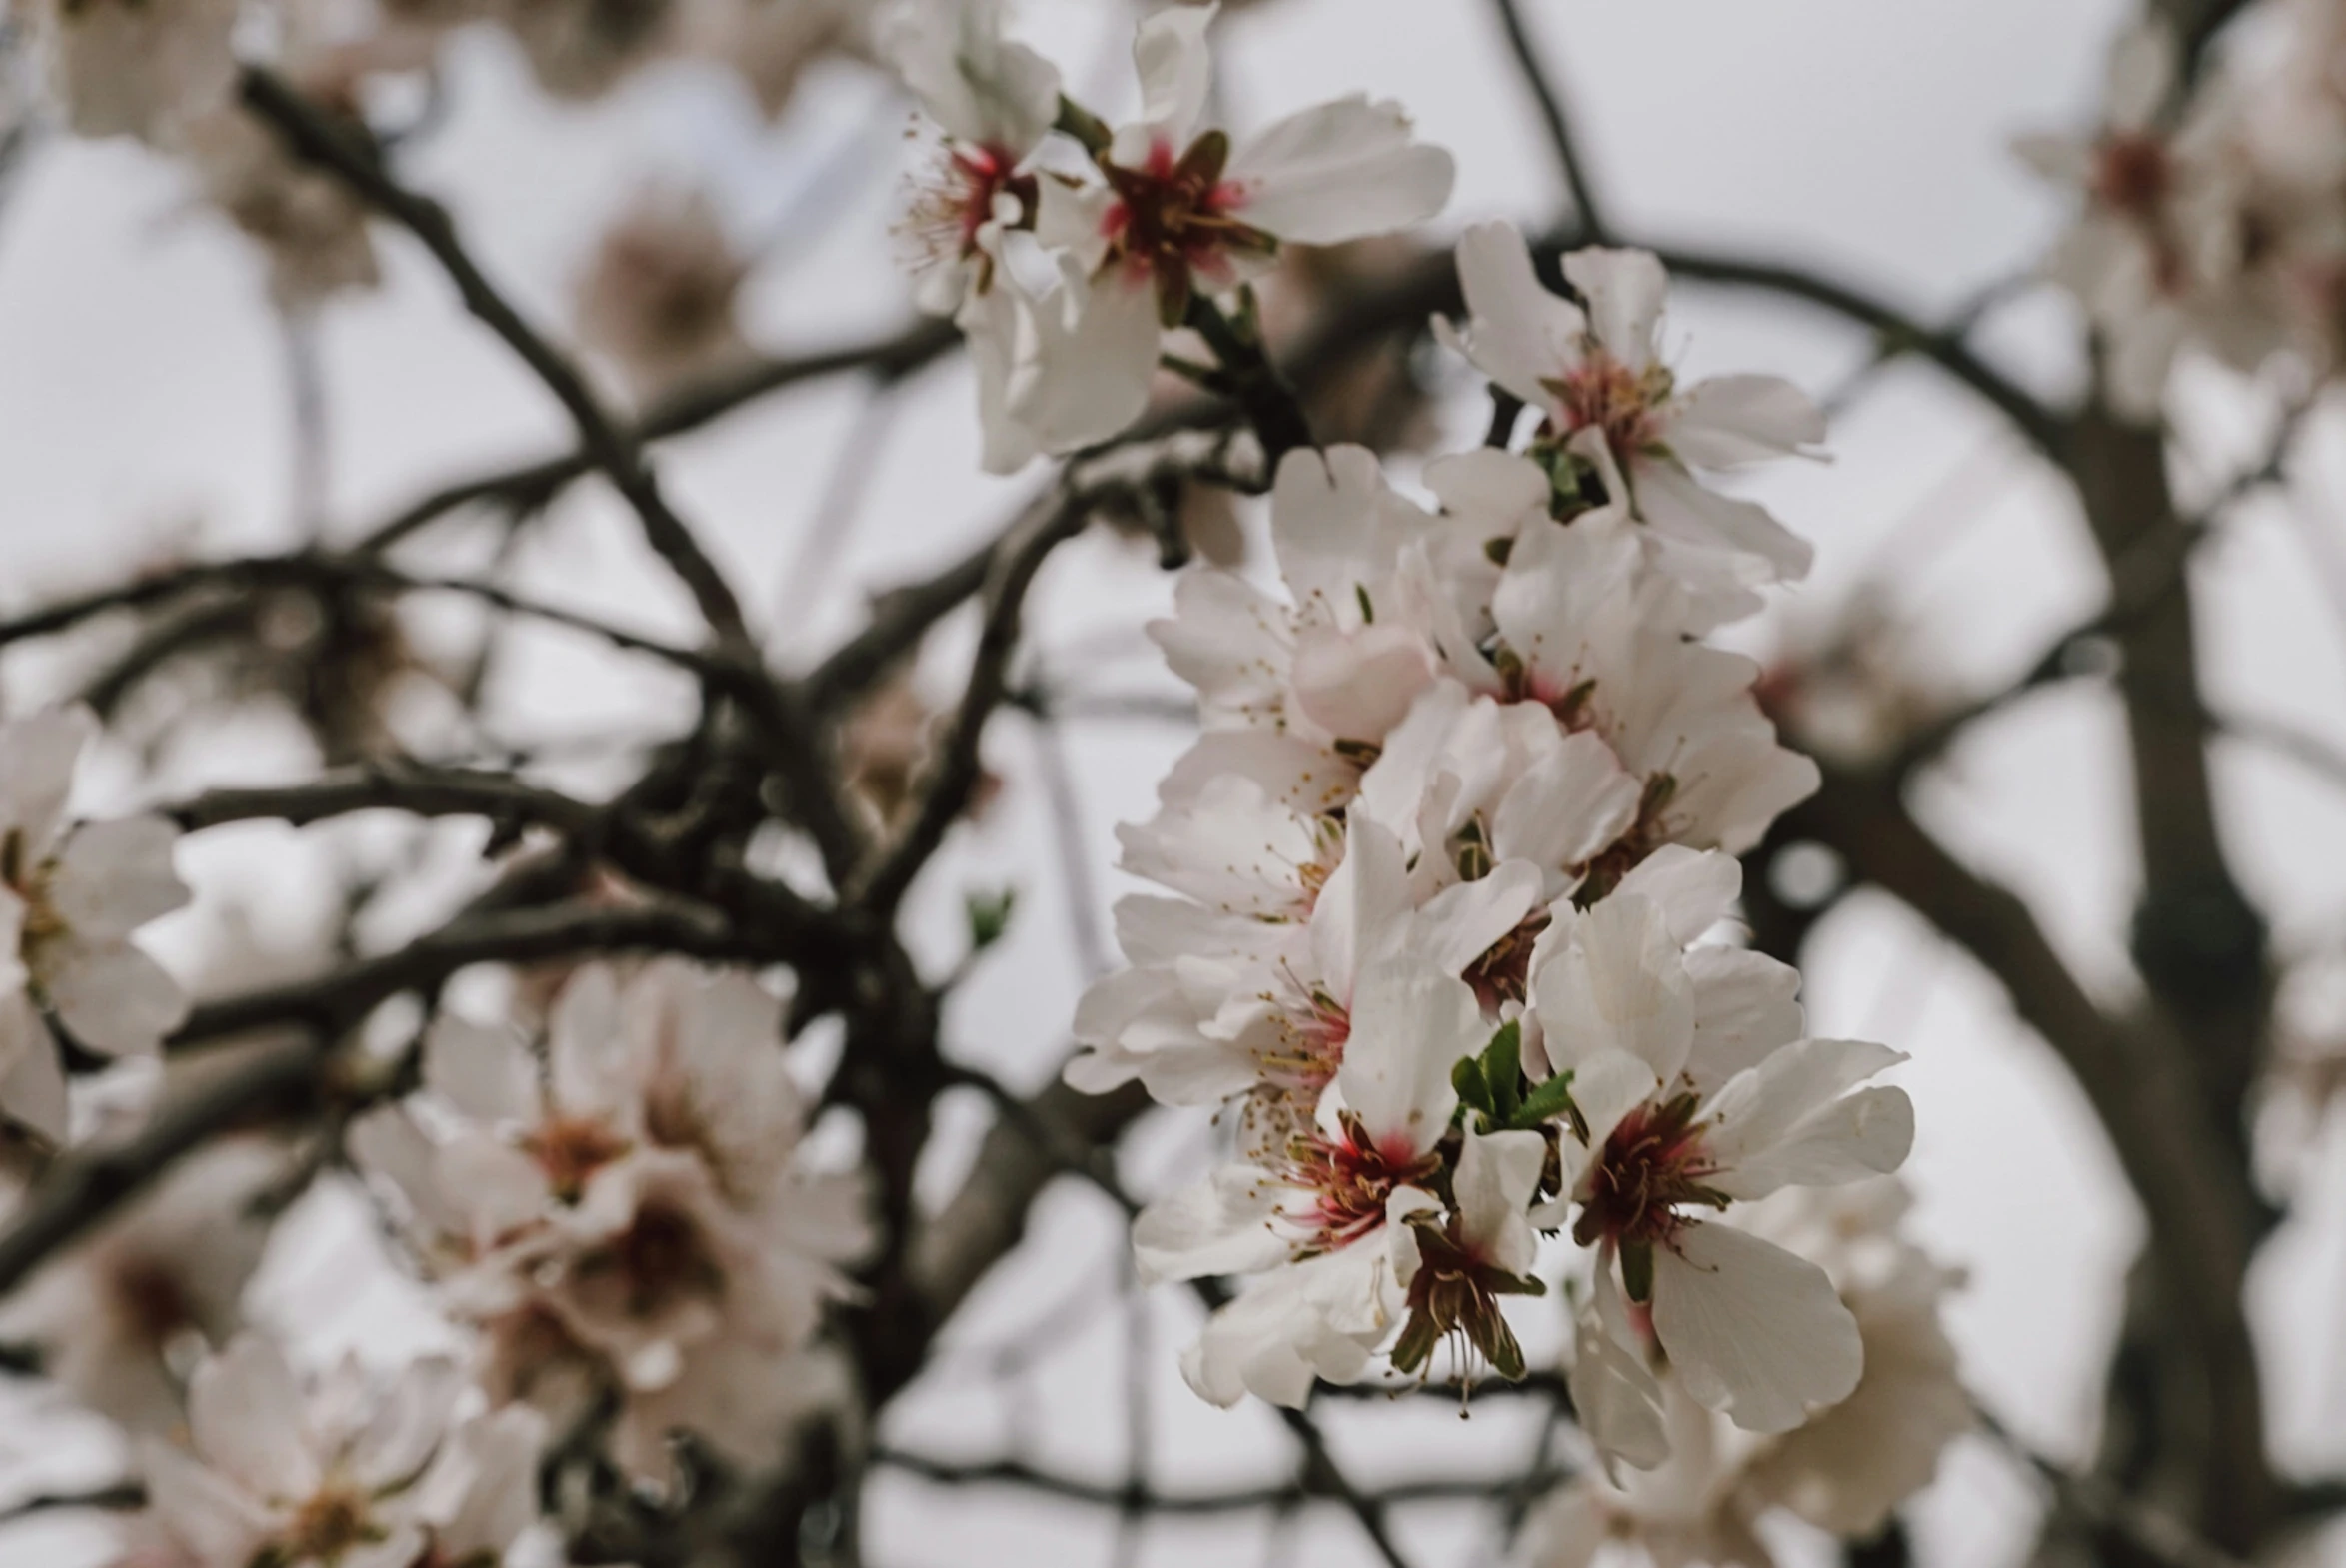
(1462, 969)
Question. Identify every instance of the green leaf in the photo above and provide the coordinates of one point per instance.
(1086, 128)
(989, 915)
(1473, 1088)
(1544, 1103)
(1503, 1070)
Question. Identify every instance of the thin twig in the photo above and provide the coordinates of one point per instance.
(1552, 113)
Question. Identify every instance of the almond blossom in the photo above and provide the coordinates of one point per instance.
(1600, 368)
(995, 101)
(1324, 1219)
(71, 899)
(1844, 1470)
(631, 1215)
(1172, 212)
(120, 1319)
(1672, 1117)
(341, 1473)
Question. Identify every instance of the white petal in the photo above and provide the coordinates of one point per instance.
(592, 1064)
(1676, 502)
(199, 1509)
(1086, 374)
(1784, 1121)
(1221, 1225)
(1625, 291)
(1567, 807)
(1341, 171)
(1176, 69)
(973, 83)
(38, 757)
(246, 1411)
(1732, 420)
(1519, 334)
(1693, 888)
(1615, 1395)
(32, 1086)
(112, 996)
(112, 878)
(1754, 1332)
(484, 1071)
(483, 1491)
(1356, 685)
(1411, 1025)
(1620, 986)
(404, 1424)
(1747, 1005)
(1605, 1088)
(1497, 1177)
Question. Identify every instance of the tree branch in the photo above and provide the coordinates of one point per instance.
(1553, 116)
(610, 445)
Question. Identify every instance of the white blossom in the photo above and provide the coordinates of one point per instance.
(632, 1215)
(119, 1319)
(71, 900)
(346, 1473)
(1179, 212)
(1602, 368)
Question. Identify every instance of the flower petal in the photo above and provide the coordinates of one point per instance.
(1340, 171)
(1519, 334)
(1753, 1332)
(1786, 1122)
(1625, 291)
(1411, 1025)
(246, 1411)
(112, 878)
(1732, 419)
(112, 996)
(484, 1071)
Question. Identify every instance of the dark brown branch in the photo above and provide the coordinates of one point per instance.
(887, 360)
(880, 882)
(609, 443)
(1554, 118)
(1010, 1472)
(2168, 1136)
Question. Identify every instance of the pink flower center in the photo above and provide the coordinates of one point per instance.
(1604, 394)
(955, 200)
(1174, 219)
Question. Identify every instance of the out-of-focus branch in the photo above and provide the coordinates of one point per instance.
(2137, 1075)
(1555, 117)
(2165, 1539)
(611, 443)
(1027, 1477)
(81, 1189)
(886, 359)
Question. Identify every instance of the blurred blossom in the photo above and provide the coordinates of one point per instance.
(120, 1319)
(627, 1217)
(657, 295)
(350, 1471)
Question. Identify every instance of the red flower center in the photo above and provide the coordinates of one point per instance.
(1174, 219)
(1654, 1161)
(1353, 1178)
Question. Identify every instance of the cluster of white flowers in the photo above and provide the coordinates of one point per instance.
(626, 1217)
(349, 1472)
(2213, 214)
(1067, 250)
(1447, 871)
